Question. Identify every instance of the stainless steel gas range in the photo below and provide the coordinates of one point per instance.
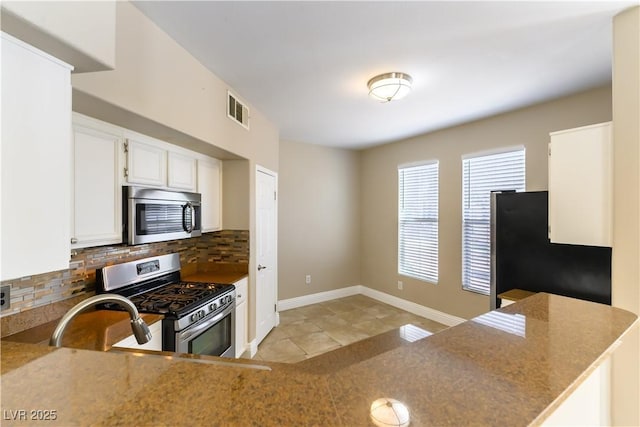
(199, 318)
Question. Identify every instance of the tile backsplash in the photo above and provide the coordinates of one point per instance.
(226, 246)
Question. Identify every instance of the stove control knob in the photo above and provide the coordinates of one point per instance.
(229, 298)
(213, 306)
(193, 317)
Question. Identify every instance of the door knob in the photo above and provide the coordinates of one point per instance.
(261, 267)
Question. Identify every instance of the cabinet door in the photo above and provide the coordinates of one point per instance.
(210, 187)
(96, 194)
(182, 172)
(580, 186)
(146, 164)
(241, 315)
(36, 153)
(241, 329)
(154, 344)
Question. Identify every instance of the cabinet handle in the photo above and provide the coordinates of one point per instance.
(261, 267)
(74, 240)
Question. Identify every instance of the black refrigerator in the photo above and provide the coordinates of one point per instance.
(523, 258)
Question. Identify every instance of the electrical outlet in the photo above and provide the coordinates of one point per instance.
(5, 298)
(307, 279)
(400, 284)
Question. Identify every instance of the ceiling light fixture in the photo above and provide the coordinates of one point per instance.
(390, 86)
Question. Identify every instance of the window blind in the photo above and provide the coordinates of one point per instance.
(480, 176)
(418, 221)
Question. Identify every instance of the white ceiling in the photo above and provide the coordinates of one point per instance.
(305, 65)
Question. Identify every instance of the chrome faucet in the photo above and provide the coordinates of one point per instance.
(139, 327)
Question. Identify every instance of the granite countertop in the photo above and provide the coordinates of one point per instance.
(225, 274)
(467, 374)
(90, 330)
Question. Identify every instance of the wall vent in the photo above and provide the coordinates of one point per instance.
(237, 111)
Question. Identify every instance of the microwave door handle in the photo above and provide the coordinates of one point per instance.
(187, 227)
(193, 217)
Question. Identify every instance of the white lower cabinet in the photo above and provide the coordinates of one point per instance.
(96, 196)
(154, 344)
(589, 404)
(242, 287)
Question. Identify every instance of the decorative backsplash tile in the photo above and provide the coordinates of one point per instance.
(226, 246)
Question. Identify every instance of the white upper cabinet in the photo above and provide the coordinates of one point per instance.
(210, 187)
(106, 156)
(182, 172)
(580, 186)
(96, 193)
(146, 163)
(36, 153)
(152, 162)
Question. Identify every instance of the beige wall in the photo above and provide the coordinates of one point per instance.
(626, 211)
(235, 194)
(318, 224)
(626, 137)
(378, 248)
(156, 79)
(82, 34)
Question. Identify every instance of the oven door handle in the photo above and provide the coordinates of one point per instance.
(190, 333)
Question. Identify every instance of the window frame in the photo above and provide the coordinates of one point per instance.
(430, 271)
(482, 260)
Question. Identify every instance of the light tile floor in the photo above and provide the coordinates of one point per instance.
(315, 329)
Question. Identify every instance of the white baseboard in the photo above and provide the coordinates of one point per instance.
(288, 304)
(253, 348)
(411, 307)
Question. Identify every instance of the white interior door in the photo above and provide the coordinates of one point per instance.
(266, 248)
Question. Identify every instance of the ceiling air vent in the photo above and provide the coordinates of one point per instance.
(237, 111)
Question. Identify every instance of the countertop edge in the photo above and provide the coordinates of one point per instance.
(562, 397)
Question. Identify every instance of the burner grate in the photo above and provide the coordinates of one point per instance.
(177, 298)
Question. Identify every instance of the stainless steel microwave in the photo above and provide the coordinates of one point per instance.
(153, 215)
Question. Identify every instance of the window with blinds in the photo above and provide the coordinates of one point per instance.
(481, 175)
(418, 221)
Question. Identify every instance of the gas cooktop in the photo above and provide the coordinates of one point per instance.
(177, 298)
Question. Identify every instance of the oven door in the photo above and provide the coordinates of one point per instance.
(214, 336)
